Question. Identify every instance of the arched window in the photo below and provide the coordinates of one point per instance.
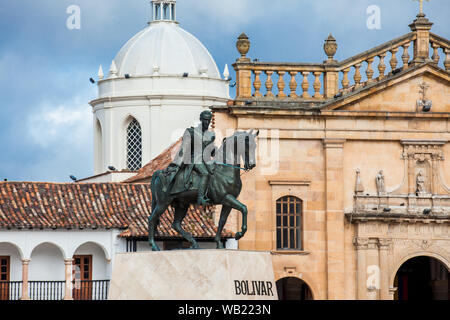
(289, 223)
(134, 146)
(98, 151)
(166, 13)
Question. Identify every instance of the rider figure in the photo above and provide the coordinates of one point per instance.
(191, 154)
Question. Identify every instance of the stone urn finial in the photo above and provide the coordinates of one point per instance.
(330, 47)
(243, 45)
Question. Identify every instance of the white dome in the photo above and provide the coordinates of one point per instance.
(164, 48)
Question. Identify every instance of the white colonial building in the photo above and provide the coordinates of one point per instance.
(157, 85)
(59, 240)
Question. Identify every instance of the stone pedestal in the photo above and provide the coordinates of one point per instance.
(193, 275)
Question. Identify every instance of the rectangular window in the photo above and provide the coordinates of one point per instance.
(4, 277)
(288, 220)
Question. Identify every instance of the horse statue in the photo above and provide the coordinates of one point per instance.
(223, 188)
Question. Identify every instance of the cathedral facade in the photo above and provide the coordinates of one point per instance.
(351, 193)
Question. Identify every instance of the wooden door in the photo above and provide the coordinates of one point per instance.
(82, 275)
(4, 277)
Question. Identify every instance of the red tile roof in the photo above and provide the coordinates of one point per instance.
(41, 205)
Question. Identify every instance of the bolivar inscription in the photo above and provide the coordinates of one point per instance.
(253, 288)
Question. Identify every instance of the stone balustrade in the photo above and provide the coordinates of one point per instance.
(439, 43)
(316, 83)
(292, 80)
(378, 58)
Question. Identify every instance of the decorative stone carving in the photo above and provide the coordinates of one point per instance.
(421, 196)
(359, 188)
(361, 243)
(379, 179)
(420, 182)
(243, 45)
(424, 244)
(330, 47)
(423, 103)
(424, 155)
(384, 244)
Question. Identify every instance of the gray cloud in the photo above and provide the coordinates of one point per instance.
(45, 67)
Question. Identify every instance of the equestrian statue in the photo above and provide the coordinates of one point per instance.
(203, 175)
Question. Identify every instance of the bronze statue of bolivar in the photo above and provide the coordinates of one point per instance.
(191, 156)
(202, 175)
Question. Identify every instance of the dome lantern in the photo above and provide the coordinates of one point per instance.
(163, 10)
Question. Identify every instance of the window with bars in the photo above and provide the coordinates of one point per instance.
(289, 223)
(134, 146)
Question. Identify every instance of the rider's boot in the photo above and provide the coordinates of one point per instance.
(201, 199)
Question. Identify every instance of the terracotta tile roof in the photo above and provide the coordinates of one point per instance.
(160, 162)
(40, 205)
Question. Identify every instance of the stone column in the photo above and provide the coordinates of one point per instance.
(25, 264)
(383, 246)
(68, 288)
(334, 154)
(361, 247)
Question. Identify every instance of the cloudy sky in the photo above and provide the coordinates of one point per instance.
(45, 119)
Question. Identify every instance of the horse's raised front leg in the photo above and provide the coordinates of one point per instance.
(153, 222)
(223, 219)
(236, 204)
(180, 213)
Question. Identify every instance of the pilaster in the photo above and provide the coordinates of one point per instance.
(361, 245)
(334, 154)
(383, 246)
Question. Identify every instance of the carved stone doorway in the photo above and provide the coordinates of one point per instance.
(291, 288)
(422, 278)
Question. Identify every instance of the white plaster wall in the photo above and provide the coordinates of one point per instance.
(67, 240)
(99, 261)
(164, 107)
(7, 249)
(63, 244)
(161, 125)
(47, 263)
(48, 249)
(164, 85)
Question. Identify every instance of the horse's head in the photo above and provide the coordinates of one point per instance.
(241, 146)
(250, 150)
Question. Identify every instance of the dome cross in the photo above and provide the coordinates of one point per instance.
(421, 5)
